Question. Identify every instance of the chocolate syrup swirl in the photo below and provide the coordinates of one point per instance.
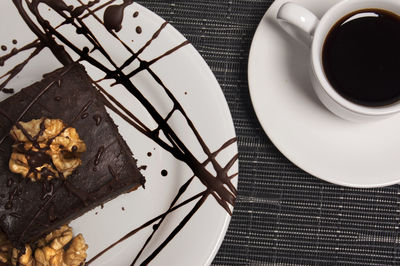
(217, 185)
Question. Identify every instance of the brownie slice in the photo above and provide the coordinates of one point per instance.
(30, 209)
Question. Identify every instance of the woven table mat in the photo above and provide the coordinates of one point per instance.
(282, 215)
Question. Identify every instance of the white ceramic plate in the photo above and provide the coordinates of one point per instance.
(341, 152)
(191, 81)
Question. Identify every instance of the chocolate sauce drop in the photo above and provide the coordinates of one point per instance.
(98, 155)
(14, 41)
(142, 167)
(4, 48)
(123, 208)
(156, 226)
(138, 30)
(97, 119)
(6, 90)
(164, 172)
(149, 154)
(136, 14)
(113, 16)
(84, 109)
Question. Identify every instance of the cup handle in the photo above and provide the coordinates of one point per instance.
(298, 22)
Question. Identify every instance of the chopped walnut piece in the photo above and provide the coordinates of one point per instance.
(51, 250)
(45, 148)
(76, 253)
(5, 249)
(25, 259)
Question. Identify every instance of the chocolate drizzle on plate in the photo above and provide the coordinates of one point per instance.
(114, 14)
(7, 90)
(218, 186)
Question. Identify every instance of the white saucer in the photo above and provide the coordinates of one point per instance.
(335, 150)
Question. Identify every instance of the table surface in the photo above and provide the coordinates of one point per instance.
(282, 215)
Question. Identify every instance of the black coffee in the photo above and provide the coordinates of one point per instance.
(361, 57)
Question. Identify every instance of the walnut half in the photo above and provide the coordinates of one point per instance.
(59, 248)
(45, 148)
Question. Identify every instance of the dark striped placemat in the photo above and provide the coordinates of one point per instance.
(283, 215)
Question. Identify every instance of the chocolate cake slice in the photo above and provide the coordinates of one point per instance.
(30, 209)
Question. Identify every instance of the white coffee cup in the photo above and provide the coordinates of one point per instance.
(304, 26)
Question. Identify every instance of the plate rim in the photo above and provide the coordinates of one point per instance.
(227, 115)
